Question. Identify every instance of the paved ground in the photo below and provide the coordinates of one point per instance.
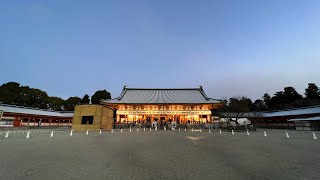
(159, 155)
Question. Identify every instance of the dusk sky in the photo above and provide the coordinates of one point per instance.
(70, 48)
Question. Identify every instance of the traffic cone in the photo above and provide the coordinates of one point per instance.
(28, 135)
(100, 131)
(265, 133)
(7, 134)
(87, 133)
(314, 136)
(71, 132)
(248, 134)
(51, 135)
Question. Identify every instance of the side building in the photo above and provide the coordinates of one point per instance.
(306, 118)
(16, 116)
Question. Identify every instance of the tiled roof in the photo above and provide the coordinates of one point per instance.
(33, 111)
(162, 96)
(316, 118)
(291, 112)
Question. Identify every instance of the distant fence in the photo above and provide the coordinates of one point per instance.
(304, 126)
(238, 128)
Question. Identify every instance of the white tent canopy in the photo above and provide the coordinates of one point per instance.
(241, 121)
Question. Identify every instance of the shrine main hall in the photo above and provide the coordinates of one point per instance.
(184, 105)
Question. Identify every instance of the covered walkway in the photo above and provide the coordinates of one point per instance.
(16, 116)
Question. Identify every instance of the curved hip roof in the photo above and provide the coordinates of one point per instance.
(162, 96)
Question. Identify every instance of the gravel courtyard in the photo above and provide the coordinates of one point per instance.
(159, 155)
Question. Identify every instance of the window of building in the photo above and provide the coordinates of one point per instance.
(87, 120)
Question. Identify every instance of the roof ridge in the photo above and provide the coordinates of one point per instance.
(203, 93)
(124, 90)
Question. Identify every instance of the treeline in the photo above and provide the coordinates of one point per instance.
(289, 98)
(15, 94)
(237, 107)
(286, 99)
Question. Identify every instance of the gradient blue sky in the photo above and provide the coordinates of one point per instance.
(69, 48)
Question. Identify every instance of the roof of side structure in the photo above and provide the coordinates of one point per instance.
(33, 111)
(316, 118)
(298, 111)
